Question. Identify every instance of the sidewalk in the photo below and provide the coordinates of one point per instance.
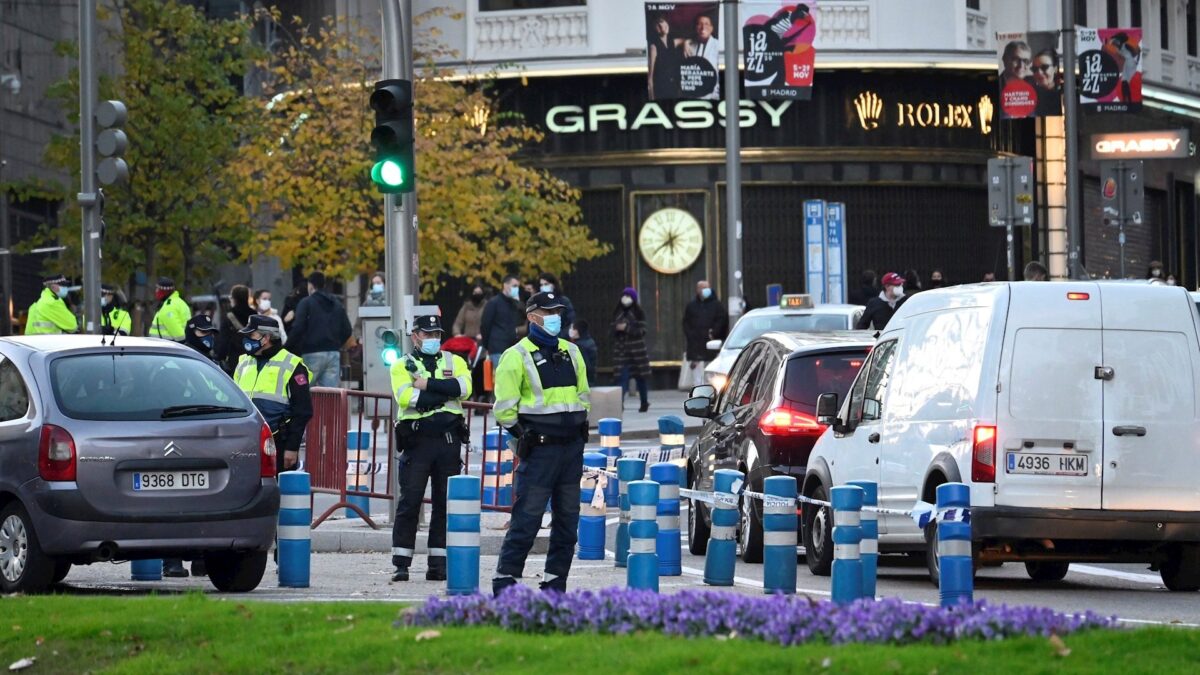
(638, 425)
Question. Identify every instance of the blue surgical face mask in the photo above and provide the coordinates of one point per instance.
(62, 292)
(547, 288)
(706, 293)
(103, 301)
(250, 345)
(377, 289)
(515, 292)
(430, 346)
(208, 341)
(552, 324)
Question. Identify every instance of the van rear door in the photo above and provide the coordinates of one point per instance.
(1151, 440)
(1050, 407)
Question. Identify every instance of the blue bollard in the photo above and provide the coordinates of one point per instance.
(642, 572)
(295, 535)
(956, 566)
(847, 534)
(779, 535)
(722, 549)
(591, 515)
(610, 447)
(670, 541)
(497, 468)
(670, 437)
(462, 535)
(629, 469)
(358, 477)
(146, 570)
(868, 549)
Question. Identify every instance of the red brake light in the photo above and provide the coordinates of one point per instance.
(782, 422)
(1078, 296)
(983, 455)
(56, 454)
(267, 452)
(855, 363)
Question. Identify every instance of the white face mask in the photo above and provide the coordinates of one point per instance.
(626, 300)
(574, 334)
(264, 304)
(897, 292)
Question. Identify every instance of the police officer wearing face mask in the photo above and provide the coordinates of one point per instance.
(542, 399)
(429, 386)
(277, 382)
(114, 320)
(201, 334)
(50, 314)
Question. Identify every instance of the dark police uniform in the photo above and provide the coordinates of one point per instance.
(277, 382)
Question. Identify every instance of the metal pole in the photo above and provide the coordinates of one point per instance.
(6, 261)
(1121, 212)
(1071, 131)
(733, 162)
(87, 174)
(399, 234)
(1009, 165)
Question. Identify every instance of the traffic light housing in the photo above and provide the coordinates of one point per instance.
(111, 142)
(390, 353)
(394, 170)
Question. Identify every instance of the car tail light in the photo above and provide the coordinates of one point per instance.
(983, 455)
(56, 454)
(1078, 296)
(784, 422)
(267, 452)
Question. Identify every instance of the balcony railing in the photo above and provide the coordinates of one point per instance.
(977, 29)
(516, 34)
(844, 24)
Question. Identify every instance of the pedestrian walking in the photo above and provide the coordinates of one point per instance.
(229, 341)
(172, 314)
(1035, 271)
(50, 315)
(704, 319)
(881, 308)
(581, 335)
(429, 386)
(542, 399)
(469, 321)
(277, 382)
(376, 292)
(629, 347)
(262, 305)
(867, 288)
(548, 283)
(320, 330)
(114, 320)
(501, 316)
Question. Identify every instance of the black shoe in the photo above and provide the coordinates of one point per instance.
(401, 574)
(434, 574)
(644, 406)
(556, 586)
(501, 583)
(198, 568)
(175, 570)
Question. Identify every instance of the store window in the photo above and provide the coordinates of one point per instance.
(505, 5)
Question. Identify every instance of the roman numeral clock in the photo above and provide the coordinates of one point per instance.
(671, 240)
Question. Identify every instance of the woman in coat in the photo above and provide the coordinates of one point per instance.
(629, 346)
(229, 343)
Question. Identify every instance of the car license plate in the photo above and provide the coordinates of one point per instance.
(1048, 464)
(170, 480)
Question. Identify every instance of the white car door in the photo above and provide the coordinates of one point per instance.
(858, 450)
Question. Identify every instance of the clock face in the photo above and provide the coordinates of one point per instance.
(670, 240)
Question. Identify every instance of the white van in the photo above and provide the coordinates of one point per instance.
(1070, 408)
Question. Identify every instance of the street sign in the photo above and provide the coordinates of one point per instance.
(774, 293)
(835, 252)
(814, 248)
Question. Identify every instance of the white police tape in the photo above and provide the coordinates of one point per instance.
(921, 513)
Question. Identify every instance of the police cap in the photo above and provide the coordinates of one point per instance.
(544, 301)
(202, 323)
(430, 323)
(263, 324)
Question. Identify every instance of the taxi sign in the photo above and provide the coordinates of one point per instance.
(796, 301)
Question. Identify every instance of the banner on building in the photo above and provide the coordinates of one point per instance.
(1031, 80)
(683, 50)
(777, 49)
(1110, 69)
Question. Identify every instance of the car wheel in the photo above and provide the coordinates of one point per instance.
(698, 529)
(931, 553)
(751, 534)
(61, 569)
(818, 534)
(1046, 570)
(24, 568)
(1181, 571)
(236, 572)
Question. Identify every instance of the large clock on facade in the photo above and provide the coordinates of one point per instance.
(671, 240)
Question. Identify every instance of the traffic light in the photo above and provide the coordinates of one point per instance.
(395, 169)
(111, 142)
(391, 346)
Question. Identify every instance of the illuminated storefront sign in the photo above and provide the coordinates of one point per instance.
(872, 112)
(1170, 143)
(573, 119)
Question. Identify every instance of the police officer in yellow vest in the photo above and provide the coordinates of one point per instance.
(114, 320)
(50, 314)
(173, 313)
(277, 382)
(430, 386)
(542, 399)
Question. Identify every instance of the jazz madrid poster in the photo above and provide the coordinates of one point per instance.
(1110, 69)
(777, 50)
(683, 50)
(1031, 78)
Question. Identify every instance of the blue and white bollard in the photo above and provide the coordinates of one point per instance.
(146, 570)
(610, 447)
(868, 549)
(295, 533)
(779, 535)
(497, 468)
(847, 503)
(358, 471)
(722, 547)
(955, 564)
(629, 469)
(670, 437)
(643, 535)
(462, 535)
(591, 509)
(670, 540)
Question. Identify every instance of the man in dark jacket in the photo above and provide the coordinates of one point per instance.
(501, 316)
(580, 333)
(881, 308)
(319, 331)
(704, 319)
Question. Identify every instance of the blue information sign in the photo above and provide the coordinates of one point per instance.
(835, 252)
(814, 248)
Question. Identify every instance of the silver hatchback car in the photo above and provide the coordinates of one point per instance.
(138, 450)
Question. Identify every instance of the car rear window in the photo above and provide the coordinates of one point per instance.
(124, 386)
(810, 376)
(752, 326)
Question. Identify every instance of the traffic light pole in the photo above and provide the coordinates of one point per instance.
(1071, 131)
(733, 163)
(88, 196)
(399, 213)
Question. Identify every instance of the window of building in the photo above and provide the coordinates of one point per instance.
(505, 5)
(1081, 12)
(1113, 18)
(1135, 14)
(973, 4)
(1164, 24)
(1191, 28)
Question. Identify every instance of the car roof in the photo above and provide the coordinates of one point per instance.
(805, 342)
(49, 344)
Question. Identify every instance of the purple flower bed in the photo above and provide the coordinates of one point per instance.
(786, 620)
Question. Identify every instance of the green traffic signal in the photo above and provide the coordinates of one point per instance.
(388, 172)
(391, 345)
(394, 170)
(390, 355)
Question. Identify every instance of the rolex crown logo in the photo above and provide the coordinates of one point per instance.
(869, 108)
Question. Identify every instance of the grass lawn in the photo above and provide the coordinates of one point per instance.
(192, 633)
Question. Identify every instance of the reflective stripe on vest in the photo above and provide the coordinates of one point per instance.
(539, 406)
(454, 405)
(268, 383)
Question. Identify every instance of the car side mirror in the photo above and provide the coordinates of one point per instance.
(713, 345)
(703, 390)
(827, 409)
(698, 406)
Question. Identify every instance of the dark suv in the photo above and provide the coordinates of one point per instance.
(763, 423)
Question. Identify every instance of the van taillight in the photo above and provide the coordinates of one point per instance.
(1078, 296)
(983, 455)
(784, 422)
(56, 454)
(266, 456)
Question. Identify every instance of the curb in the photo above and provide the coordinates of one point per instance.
(365, 540)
